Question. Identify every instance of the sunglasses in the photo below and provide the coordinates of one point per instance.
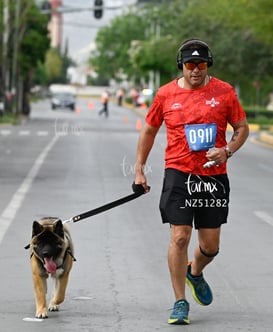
(192, 65)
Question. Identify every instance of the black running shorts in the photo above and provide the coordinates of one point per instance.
(189, 198)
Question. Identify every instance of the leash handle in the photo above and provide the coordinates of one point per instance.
(138, 191)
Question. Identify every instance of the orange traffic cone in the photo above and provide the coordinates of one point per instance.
(90, 105)
(143, 106)
(138, 124)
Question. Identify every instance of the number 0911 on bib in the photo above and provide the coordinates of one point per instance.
(201, 136)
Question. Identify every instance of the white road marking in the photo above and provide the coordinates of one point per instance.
(34, 320)
(42, 133)
(264, 217)
(5, 132)
(16, 201)
(24, 132)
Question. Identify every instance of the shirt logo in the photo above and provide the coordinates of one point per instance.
(212, 102)
(176, 106)
(195, 53)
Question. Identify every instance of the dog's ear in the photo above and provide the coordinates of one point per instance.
(59, 229)
(36, 228)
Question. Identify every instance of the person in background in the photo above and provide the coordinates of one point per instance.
(196, 109)
(120, 96)
(134, 94)
(104, 100)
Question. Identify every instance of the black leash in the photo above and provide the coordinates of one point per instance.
(138, 191)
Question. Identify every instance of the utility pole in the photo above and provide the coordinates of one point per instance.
(4, 70)
(2, 80)
(14, 77)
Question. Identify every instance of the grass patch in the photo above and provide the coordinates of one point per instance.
(8, 118)
(265, 123)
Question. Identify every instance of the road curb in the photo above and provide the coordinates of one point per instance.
(266, 137)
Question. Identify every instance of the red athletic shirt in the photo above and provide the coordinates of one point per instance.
(215, 104)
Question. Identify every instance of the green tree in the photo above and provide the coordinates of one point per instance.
(33, 48)
(54, 66)
(25, 45)
(253, 16)
(111, 56)
(242, 43)
(2, 58)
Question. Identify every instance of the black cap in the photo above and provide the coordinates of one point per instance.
(195, 53)
(193, 49)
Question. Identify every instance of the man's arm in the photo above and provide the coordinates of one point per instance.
(240, 134)
(145, 144)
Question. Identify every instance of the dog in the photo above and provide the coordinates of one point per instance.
(51, 253)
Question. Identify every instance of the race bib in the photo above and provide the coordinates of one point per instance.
(201, 136)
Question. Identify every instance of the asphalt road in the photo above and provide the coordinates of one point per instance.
(61, 163)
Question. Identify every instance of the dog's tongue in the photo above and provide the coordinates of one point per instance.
(50, 265)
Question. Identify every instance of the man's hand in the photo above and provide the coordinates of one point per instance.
(141, 180)
(218, 155)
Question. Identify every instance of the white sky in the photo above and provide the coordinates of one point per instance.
(80, 28)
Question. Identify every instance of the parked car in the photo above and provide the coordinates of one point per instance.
(63, 100)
